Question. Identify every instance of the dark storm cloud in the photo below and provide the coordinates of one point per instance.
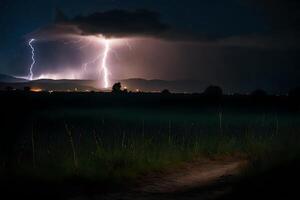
(126, 23)
(121, 23)
(282, 18)
(222, 25)
(55, 31)
(114, 23)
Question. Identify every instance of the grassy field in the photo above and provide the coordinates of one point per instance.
(115, 143)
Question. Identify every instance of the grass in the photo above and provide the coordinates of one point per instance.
(114, 145)
(116, 138)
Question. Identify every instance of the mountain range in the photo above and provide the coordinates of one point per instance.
(136, 84)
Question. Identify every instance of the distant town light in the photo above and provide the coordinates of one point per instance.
(36, 90)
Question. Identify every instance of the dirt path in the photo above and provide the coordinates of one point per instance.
(197, 180)
(192, 175)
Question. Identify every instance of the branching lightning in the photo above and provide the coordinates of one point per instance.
(30, 75)
(100, 61)
(104, 68)
(85, 65)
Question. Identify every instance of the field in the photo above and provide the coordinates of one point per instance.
(72, 140)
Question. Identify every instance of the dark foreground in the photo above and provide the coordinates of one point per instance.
(136, 146)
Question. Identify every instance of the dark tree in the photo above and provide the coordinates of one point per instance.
(117, 88)
(165, 92)
(214, 91)
(259, 93)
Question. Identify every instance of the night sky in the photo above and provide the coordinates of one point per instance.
(240, 45)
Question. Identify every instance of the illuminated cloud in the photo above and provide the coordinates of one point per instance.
(114, 23)
(144, 23)
(121, 23)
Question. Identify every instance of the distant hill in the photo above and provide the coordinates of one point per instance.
(55, 85)
(10, 79)
(178, 86)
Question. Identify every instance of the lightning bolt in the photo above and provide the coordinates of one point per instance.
(129, 45)
(85, 65)
(104, 66)
(30, 75)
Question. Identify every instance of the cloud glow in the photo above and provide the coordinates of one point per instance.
(99, 63)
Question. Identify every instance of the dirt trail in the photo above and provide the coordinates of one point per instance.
(191, 176)
(197, 180)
